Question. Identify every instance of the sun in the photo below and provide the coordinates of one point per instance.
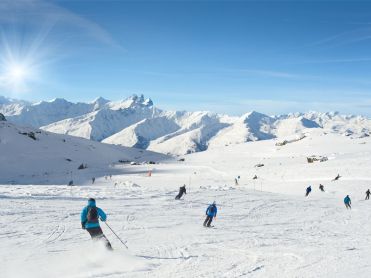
(17, 73)
(16, 76)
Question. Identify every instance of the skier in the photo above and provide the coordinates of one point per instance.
(321, 187)
(93, 180)
(347, 202)
(210, 214)
(90, 221)
(182, 190)
(309, 189)
(336, 178)
(368, 194)
(255, 177)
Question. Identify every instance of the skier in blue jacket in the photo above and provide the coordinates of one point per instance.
(309, 189)
(347, 202)
(211, 212)
(90, 221)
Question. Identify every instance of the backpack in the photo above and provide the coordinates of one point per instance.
(92, 215)
(212, 209)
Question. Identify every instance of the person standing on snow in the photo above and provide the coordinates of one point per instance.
(368, 194)
(347, 202)
(90, 221)
(182, 190)
(309, 189)
(322, 188)
(211, 212)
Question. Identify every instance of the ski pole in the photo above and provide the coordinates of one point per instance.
(116, 235)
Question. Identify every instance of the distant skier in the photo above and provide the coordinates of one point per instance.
(347, 202)
(309, 189)
(368, 194)
(90, 221)
(322, 188)
(255, 177)
(93, 180)
(182, 190)
(211, 212)
(337, 178)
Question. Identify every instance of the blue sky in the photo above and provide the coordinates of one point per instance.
(224, 56)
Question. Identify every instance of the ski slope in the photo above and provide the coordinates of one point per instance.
(264, 228)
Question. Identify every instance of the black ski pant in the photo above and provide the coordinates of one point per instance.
(208, 221)
(367, 196)
(97, 234)
(347, 205)
(179, 196)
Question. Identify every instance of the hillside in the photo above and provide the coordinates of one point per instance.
(30, 155)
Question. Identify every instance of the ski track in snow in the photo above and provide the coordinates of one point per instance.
(276, 232)
(258, 235)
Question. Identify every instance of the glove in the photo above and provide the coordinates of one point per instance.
(83, 226)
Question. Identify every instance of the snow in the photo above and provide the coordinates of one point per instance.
(102, 123)
(264, 228)
(136, 122)
(141, 133)
(55, 158)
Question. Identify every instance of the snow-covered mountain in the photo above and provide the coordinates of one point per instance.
(106, 120)
(136, 122)
(30, 155)
(46, 112)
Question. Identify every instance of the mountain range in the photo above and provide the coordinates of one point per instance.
(136, 122)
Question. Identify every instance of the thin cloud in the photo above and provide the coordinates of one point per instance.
(270, 73)
(50, 14)
(344, 38)
(278, 74)
(336, 61)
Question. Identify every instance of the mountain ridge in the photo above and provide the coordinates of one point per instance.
(136, 122)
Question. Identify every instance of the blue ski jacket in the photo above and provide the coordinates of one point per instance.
(211, 210)
(84, 215)
(347, 200)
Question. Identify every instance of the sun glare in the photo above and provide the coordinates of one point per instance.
(16, 76)
(17, 73)
(18, 69)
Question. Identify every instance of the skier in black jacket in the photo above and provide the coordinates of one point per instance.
(182, 190)
(367, 194)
